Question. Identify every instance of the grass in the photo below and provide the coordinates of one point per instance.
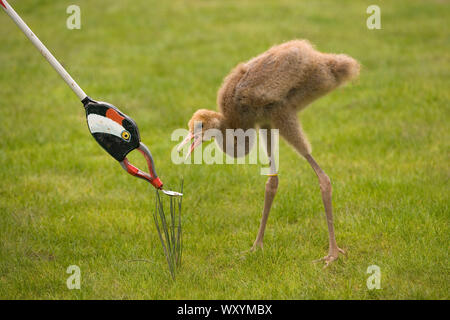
(169, 228)
(383, 140)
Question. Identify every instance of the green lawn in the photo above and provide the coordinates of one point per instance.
(383, 140)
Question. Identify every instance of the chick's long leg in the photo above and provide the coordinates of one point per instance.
(271, 187)
(326, 190)
(291, 130)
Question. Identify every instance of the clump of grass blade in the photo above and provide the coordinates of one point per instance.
(170, 229)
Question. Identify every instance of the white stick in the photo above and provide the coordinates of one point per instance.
(43, 50)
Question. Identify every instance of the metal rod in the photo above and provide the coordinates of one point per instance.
(43, 50)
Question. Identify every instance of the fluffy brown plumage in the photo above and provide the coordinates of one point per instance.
(272, 87)
(268, 91)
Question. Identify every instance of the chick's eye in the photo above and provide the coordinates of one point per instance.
(125, 135)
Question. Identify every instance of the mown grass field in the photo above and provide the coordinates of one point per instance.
(383, 140)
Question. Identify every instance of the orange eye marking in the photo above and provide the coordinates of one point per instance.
(113, 115)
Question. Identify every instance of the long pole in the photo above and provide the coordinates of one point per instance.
(43, 50)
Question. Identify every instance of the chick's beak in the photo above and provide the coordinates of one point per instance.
(188, 138)
(197, 141)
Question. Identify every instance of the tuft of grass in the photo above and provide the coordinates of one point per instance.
(169, 229)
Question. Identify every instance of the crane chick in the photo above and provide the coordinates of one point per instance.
(267, 92)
